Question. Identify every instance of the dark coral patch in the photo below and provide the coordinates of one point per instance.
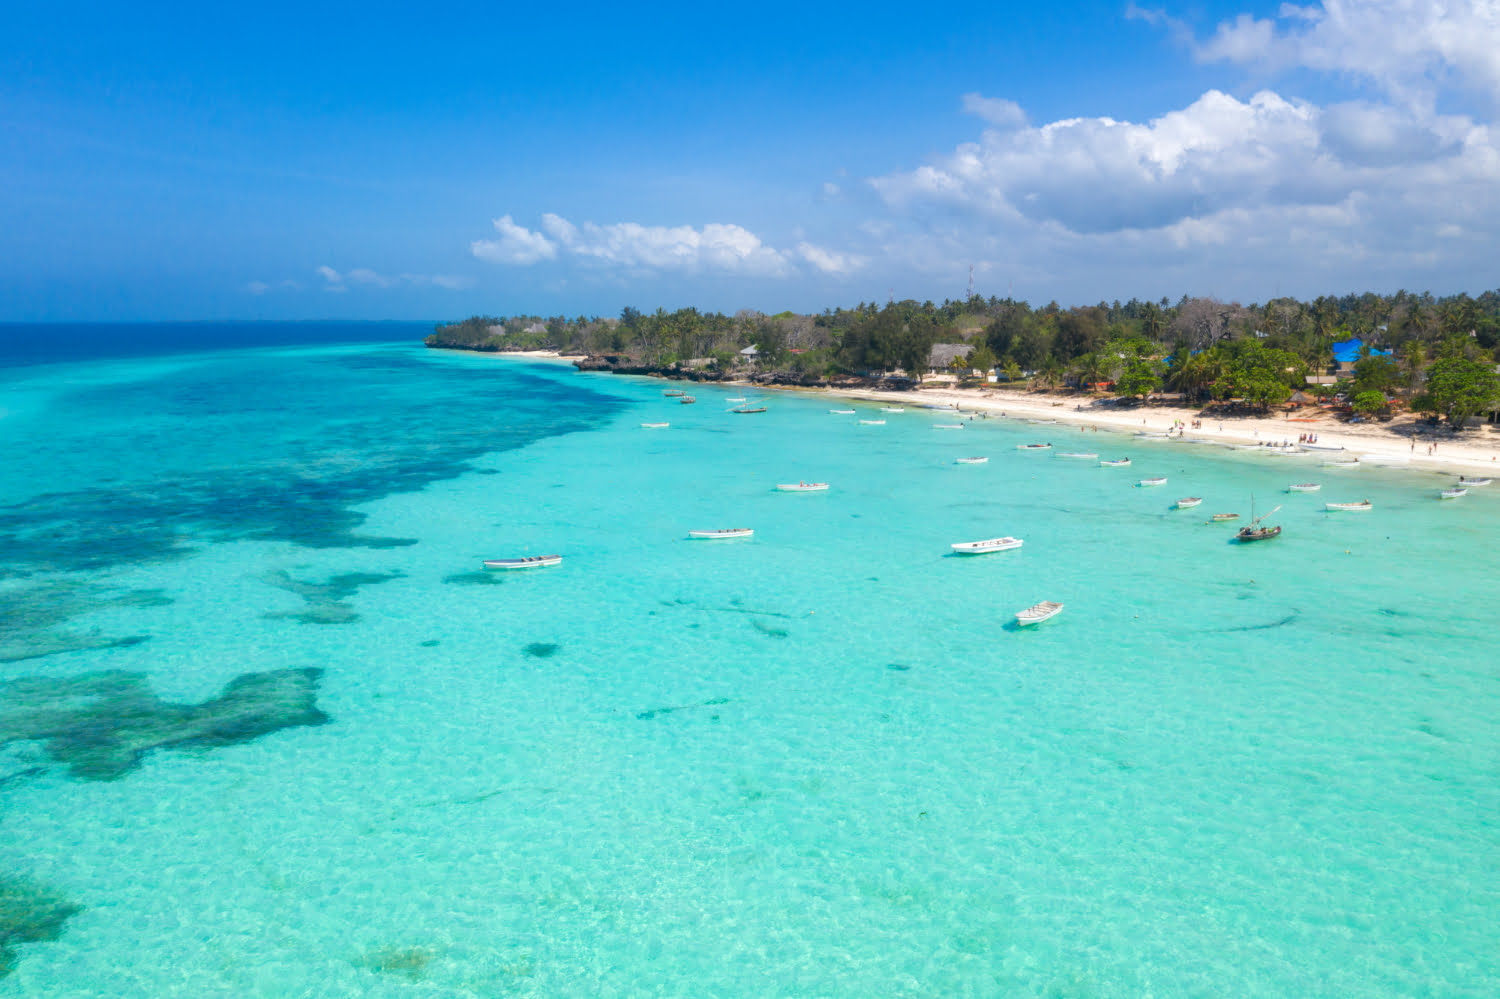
(541, 650)
(480, 578)
(325, 601)
(28, 914)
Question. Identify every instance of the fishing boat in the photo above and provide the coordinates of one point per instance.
(655, 426)
(1033, 447)
(1087, 455)
(893, 409)
(530, 562)
(1188, 502)
(872, 423)
(1224, 518)
(1359, 507)
(971, 461)
(987, 546)
(1473, 482)
(947, 426)
(802, 487)
(1158, 480)
(672, 393)
(688, 400)
(1354, 463)
(720, 535)
(842, 412)
(1304, 487)
(1453, 493)
(1322, 447)
(748, 409)
(1037, 613)
(1115, 463)
(1253, 531)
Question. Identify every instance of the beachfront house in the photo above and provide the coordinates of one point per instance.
(940, 359)
(749, 354)
(1348, 352)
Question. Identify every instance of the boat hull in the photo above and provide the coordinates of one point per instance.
(533, 562)
(724, 535)
(1037, 613)
(802, 487)
(988, 546)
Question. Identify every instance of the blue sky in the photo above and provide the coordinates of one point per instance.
(392, 162)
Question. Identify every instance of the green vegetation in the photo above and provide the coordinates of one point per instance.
(1253, 356)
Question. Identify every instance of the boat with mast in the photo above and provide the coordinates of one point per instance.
(1254, 531)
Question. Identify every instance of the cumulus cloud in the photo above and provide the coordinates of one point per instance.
(829, 261)
(995, 110)
(336, 281)
(516, 245)
(630, 246)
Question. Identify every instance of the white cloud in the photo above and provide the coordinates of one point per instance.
(517, 245)
(829, 261)
(996, 110)
(365, 277)
(257, 287)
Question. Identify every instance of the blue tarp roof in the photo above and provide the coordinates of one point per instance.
(1348, 351)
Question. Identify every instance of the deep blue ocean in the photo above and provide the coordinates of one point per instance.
(268, 728)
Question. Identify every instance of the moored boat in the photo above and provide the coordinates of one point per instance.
(1322, 447)
(1033, 447)
(748, 409)
(722, 534)
(1224, 518)
(1115, 463)
(872, 423)
(971, 461)
(1037, 613)
(1351, 464)
(734, 398)
(1087, 455)
(688, 400)
(802, 487)
(1304, 487)
(1254, 531)
(1148, 435)
(1188, 502)
(1473, 482)
(1359, 507)
(1158, 480)
(987, 546)
(842, 412)
(1453, 493)
(529, 562)
(673, 393)
(947, 426)
(893, 409)
(654, 426)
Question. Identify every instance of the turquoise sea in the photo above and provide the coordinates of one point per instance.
(268, 729)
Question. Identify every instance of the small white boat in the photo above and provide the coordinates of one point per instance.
(530, 562)
(1223, 518)
(893, 409)
(1041, 422)
(971, 461)
(740, 398)
(728, 532)
(673, 393)
(1037, 613)
(1087, 455)
(1116, 463)
(1189, 501)
(802, 487)
(654, 426)
(1322, 447)
(872, 423)
(1158, 480)
(1033, 447)
(1152, 436)
(1470, 483)
(688, 400)
(1342, 464)
(842, 412)
(987, 546)
(1359, 507)
(1304, 487)
(1453, 493)
(947, 426)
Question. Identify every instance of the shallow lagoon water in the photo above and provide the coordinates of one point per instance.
(819, 761)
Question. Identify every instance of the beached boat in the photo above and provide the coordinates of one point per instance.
(1188, 502)
(673, 393)
(748, 409)
(1473, 482)
(842, 412)
(971, 461)
(987, 546)
(720, 535)
(872, 423)
(1253, 531)
(893, 409)
(1037, 613)
(1453, 493)
(802, 487)
(1148, 435)
(947, 426)
(1115, 463)
(530, 562)
(1304, 487)
(1033, 447)
(655, 426)
(1224, 518)
(1087, 455)
(1156, 480)
(1359, 507)
(1322, 447)
(1042, 422)
(688, 400)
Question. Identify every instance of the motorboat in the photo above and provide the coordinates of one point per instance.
(720, 535)
(987, 546)
(893, 409)
(1159, 480)
(1188, 502)
(947, 426)
(971, 461)
(655, 426)
(1087, 455)
(1304, 487)
(1470, 483)
(529, 562)
(1033, 447)
(842, 412)
(1453, 493)
(1359, 507)
(802, 487)
(1037, 613)
(1116, 463)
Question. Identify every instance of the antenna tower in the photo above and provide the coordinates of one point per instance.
(971, 283)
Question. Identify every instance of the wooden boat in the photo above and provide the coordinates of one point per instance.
(1037, 613)
(1088, 455)
(1253, 531)
(1224, 518)
(687, 400)
(893, 409)
(872, 423)
(1473, 482)
(655, 426)
(1359, 507)
(748, 409)
(1453, 493)
(673, 393)
(1033, 447)
(1116, 463)
(947, 426)
(720, 535)
(971, 461)
(1342, 464)
(1322, 447)
(1304, 487)
(530, 562)
(802, 487)
(842, 412)
(735, 398)
(987, 546)
(1159, 480)
(1188, 502)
